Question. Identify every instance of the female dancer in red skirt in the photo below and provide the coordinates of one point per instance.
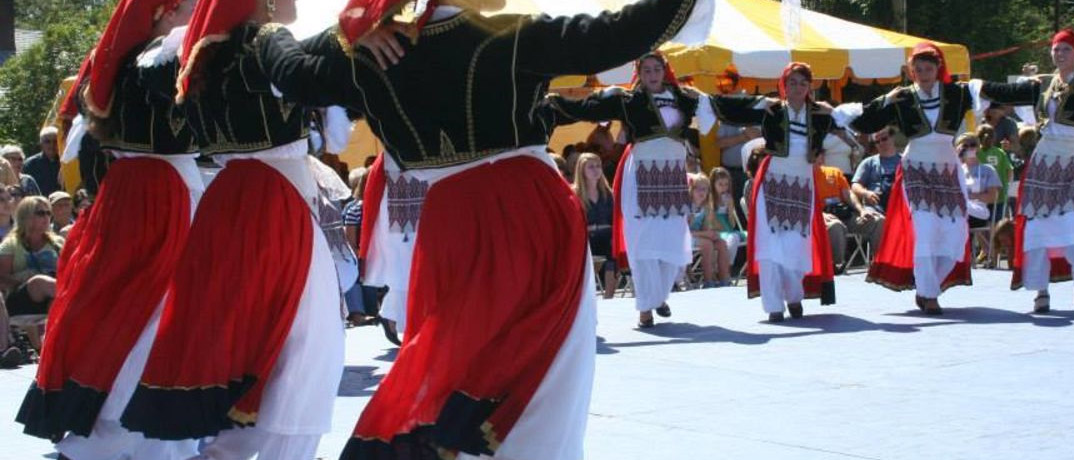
(497, 357)
(652, 198)
(1044, 217)
(120, 257)
(926, 235)
(250, 348)
(788, 258)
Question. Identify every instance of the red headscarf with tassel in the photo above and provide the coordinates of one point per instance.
(131, 25)
(362, 16)
(69, 107)
(211, 22)
(800, 68)
(669, 73)
(1063, 36)
(929, 49)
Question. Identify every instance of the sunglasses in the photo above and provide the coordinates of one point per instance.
(43, 213)
(971, 145)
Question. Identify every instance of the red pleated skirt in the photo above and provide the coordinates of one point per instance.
(236, 291)
(893, 265)
(498, 274)
(114, 271)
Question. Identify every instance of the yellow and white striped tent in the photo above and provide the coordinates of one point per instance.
(751, 37)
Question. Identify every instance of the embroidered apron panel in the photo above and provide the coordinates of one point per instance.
(1049, 186)
(662, 188)
(788, 202)
(935, 188)
(406, 195)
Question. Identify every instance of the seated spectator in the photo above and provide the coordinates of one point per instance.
(875, 175)
(610, 150)
(729, 139)
(732, 233)
(998, 116)
(843, 212)
(7, 211)
(63, 212)
(1028, 137)
(561, 166)
(992, 155)
(44, 166)
(596, 195)
(15, 157)
(753, 151)
(704, 228)
(16, 194)
(982, 182)
(83, 201)
(359, 311)
(570, 155)
(28, 257)
(841, 151)
(7, 174)
(10, 355)
(355, 175)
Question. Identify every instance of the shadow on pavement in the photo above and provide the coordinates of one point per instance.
(357, 381)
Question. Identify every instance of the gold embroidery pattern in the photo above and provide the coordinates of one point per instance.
(676, 23)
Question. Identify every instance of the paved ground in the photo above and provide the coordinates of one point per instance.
(866, 379)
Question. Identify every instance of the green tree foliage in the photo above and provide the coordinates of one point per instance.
(981, 25)
(30, 80)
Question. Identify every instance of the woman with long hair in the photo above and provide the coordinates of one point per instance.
(650, 185)
(705, 231)
(596, 196)
(731, 230)
(29, 256)
(789, 259)
(121, 255)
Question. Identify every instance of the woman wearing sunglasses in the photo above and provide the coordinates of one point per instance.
(28, 256)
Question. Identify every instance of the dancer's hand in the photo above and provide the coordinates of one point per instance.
(770, 102)
(385, 44)
(824, 108)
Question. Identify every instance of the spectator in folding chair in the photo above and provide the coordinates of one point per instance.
(875, 175)
(996, 157)
(982, 181)
(28, 258)
(843, 213)
(596, 196)
(705, 230)
(731, 232)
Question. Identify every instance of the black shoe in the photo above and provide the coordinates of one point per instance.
(932, 307)
(1042, 304)
(795, 309)
(390, 334)
(920, 302)
(646, 323)
(775, 317)
(664, 310)
(11, 358)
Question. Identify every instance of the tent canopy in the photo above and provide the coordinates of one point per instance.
(748, 35)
